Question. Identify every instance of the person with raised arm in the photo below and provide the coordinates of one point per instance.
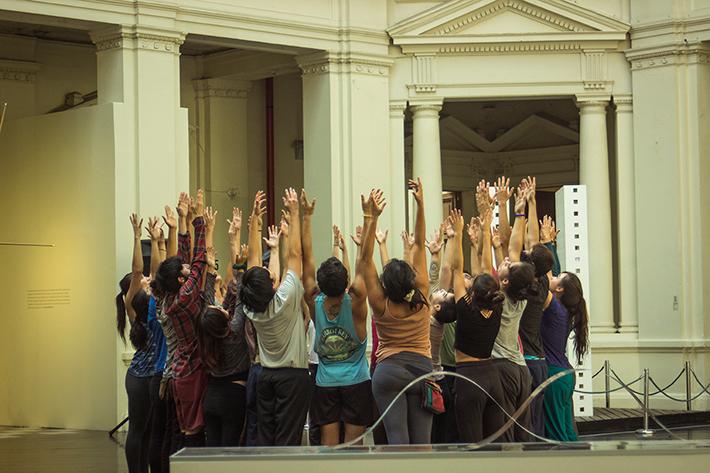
(134, 301)
(284, 387)
(517, 280)
(565, 313)
(343, 392)
(179, 286)
(401, 311)
(477, 310)
(542, 260)
(224, 351)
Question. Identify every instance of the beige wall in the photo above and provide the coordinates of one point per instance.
(57, 364)
(288, 127)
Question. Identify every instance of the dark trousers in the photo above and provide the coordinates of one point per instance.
(477, 415)
(224, 408)
(138, 439)
(157, 426)
(172, 435)
(516, 382)
(283, 397)
(538, 371)
(313, 430)
(443, 427)
(250, 434)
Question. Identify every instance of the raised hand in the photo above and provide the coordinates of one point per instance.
(436, 243)
(183, 206)
(273, 239)
(495, 238)
(374, 204)
(417, 190)
(200, 203)
(483, 196)
(357, 238)
(242, 255)
(503, 190)
(336, 236)
(548, 230)
(341, 242)
(210, 216)
(308, 207)
(283, 224)
(259, 207)
(169, 217)
(136, 223)
(235, 224)
(473, 229)
(381, 236)
(521, 197)
(456, 221)
(407, 240)
(290, 200)
(448, 229)
(153, 228)
(530, 190)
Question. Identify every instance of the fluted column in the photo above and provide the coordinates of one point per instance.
(626, 210)
(594, 173)
(426, 159)
(398, 198)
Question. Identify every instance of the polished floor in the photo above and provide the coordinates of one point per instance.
(25, 450)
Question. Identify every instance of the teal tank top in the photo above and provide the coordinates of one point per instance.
(340, 352)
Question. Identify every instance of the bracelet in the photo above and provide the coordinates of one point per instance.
(520, 215)
(367, 215)
(239, 267)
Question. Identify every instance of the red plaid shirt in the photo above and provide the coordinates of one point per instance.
(184, 307)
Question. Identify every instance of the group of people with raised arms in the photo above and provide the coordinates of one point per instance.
(224, 360)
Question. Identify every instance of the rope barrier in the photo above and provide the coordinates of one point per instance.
(611, 390)
(600, 370)
(702, 386)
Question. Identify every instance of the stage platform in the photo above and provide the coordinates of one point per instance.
(648, 456)
(609, 420)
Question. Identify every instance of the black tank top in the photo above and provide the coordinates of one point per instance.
(475, 333)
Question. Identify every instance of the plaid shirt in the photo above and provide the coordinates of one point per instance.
(184, 307)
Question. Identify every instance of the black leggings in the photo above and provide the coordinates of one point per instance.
(224, 409)
(157, 426)
(477, 416)
(137, 441)
(172, 435)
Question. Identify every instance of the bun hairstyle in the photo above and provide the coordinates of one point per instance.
(487, 293)
(257, 289)
(521, 282)
(399, 284)
(139, 329)
(212, 328)
(123, 284)
(572, 299)
(166, 277)
(541, 258)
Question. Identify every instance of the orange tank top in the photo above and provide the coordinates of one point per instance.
(403, 333)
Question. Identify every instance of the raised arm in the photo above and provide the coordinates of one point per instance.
(357, 239)
(172, 223)
(255, 220)
(503, 194)
(190, 290)
(474, 230)
(136, 266)
(283, 242)
(371, 210)
(533, 236)
(309, 265)
(418, 251)
(295, 251)
(518, 235)
(497, 246)
(272, 242)
(382, 246)
(446, 276)
(456, 254)
(234, 235)
(548, 235)
(435, 245)
(486, 258)
(408, 245)
(154, 231)
(339, 239)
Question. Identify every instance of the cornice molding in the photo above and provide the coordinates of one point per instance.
(502, 48)
(334, 63)
(222, 88)
(668, 55)
(138, 37)
(18, 71)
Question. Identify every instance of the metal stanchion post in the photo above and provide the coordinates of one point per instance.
(607, 395)
(645, 432)
(687, 386)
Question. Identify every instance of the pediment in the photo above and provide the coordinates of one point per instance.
(500, 21)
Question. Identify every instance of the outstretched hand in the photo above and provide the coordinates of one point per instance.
(357, 238)
(308, 206)
(417, 190)
(436, 243)
(456, 221)
(290, 200)
(210, 216)
(153, 228)
(381, 236)
(136, 223)
(273, 239)
(169, 217)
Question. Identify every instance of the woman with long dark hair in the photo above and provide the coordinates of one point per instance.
(135, 302)
(401, 312)
(565, 312)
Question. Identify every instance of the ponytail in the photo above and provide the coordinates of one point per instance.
(124, 284)
(486, 292)
(139, 328)
(573, 300)
(399, 284)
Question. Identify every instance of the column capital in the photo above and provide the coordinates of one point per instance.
(335, 63)
(223, 88)
(624, 103)
(138, 37)
(592, 103)
(397, 108)
(431, 106)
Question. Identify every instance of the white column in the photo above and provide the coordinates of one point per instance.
(222, 162)
(398, 199)
(594, 173)
(426, 159)
(626, 211)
